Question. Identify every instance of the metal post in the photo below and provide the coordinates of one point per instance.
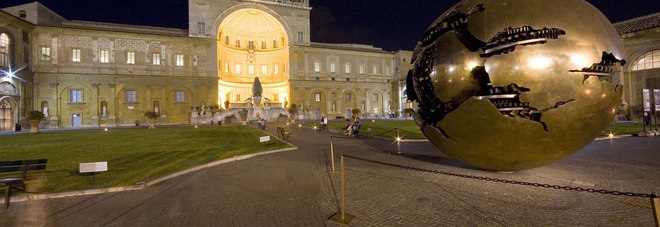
(655, 203)
(342, 189)
(643, 115)
(398, 141)
(644, 121)
(332, 154)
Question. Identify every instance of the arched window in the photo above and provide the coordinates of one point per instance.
(649, 60)
(4, 49)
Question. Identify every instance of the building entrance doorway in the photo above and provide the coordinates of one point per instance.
(76, 120)
(348, 114)
(6, 115)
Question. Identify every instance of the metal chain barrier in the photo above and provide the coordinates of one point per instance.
(506, 181)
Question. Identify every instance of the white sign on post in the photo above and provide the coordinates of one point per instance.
(646, 98)
(264, 139)
(93, 167)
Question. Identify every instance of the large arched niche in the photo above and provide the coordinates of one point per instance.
(252, 43)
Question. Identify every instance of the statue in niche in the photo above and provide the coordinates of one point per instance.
(156, 109)
(45, 111)
(104, 110)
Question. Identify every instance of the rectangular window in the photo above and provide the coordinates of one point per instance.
(75, 55)
(226, 40)
(374, 70)
(156, 58)
(347, 97)
(251, 45)
(347, 68)
(131, 96)
(317, 97)
(179, 60)
(251, 70)
(361, 69)
(226, 67)
(332, 67)
(276, 70)
(263, 45)
(264, 70)
(348, 79)
(75, 96)
(238, 69)
(317, 78)
(317, 67)
(180, 97)
(238, 43)
(387, 71)
(274, 43)
(300, 37)
(130, 57)
(105, 56)
(201, 28)
(45, 53)
(375, 95)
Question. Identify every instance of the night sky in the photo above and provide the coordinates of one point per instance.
(389, 24)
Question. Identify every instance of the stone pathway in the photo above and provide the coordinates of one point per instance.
(296, 188)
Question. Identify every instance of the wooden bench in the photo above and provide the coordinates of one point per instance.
(283, 134)
(18, 183)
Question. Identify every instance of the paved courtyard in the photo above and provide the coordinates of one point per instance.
(297, 188)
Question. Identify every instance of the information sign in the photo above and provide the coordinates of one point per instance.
(93, 167)
(646, 98)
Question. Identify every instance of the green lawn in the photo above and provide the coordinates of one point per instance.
(133, 155)
(378, 127)
(623, 129)
(412, 132)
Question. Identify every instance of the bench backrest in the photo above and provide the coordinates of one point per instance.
(23, 165)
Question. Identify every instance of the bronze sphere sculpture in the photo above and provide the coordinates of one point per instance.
(512, 85)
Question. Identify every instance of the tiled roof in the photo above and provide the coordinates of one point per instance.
(638, 24)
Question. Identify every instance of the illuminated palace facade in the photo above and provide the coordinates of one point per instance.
(90, 74)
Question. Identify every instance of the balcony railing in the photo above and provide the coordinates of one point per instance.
(297, 3)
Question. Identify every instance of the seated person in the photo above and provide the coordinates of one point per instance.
(356, 126)
(324, 123)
